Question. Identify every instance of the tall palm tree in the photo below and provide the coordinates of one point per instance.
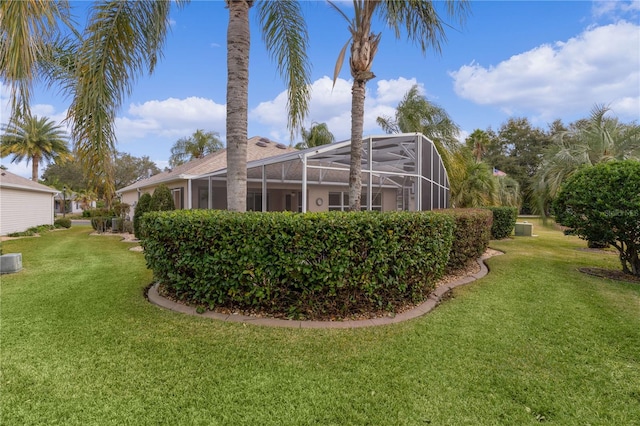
(285, 35)
(122, 41)
(422, 24)
(35, 140)
(317, 135)
(587, 143)
(195, 146)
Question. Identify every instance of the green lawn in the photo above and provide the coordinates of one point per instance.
(534, 341)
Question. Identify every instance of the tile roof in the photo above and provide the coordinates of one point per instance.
(257, 148)
(10, 180)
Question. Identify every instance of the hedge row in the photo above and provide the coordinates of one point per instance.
(504, 220)
(471, 236)
(315, 265)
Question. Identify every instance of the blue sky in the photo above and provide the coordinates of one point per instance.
(543, 60)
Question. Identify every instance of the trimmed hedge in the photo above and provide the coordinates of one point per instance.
(62, 222)
(471, 236)
(504, 220)
(313, 265)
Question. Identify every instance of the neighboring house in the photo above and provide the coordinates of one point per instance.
(73, 204)
(24, 203)
(399, 172)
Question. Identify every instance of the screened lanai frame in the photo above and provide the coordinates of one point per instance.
(408, 163)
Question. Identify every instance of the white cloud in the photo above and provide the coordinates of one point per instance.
(171, 118)
(615, 9)
(332, 105)
(598, 66)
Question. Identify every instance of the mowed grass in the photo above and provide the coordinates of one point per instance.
(534, 341)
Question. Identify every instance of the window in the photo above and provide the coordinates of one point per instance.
(254, 202)
(176, 193)
(339, 201)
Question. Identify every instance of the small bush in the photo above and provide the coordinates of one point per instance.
(32, 231)
(313, 265)
(504, 220)
(101, 224)
(143, 206)
(162, 200)
(127, 226)
(62, 222)
(471, 235)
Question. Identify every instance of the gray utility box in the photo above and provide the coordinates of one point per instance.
(10, 263)
(524, 229)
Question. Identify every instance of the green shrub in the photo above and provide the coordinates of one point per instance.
(504, 220)
(143, 206)
(471, 236)
(32, 231)
(127, 226)
(101, 224)
(602, 205)
(298, 265)
(162, 200)
(62, 222)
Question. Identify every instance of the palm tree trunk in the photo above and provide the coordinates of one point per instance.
(357, 126)
(35, 164)
(238, 43)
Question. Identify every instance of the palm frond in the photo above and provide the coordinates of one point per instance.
(286, 38)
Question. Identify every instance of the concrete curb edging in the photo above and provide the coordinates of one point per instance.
(432, 301)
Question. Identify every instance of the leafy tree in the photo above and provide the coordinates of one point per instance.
(143, 206)
(195, 146)
(317, 135)
(162, 200)
(69, 173)
(130, 169)
(35, 140)
(586, 143)
(422, 24)
(602, 203)
(517, 149)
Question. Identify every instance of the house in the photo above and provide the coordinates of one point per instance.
(399, 172)
(24, 203)
(73, 202)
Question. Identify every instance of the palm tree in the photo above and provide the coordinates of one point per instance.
(472, 183)
(195, 146)
(586, 143)
(478, 141)
(35, 140)
(416, 114)
(285, 35)
(317, 135)
(422, 24)
(29, 30)
(122, 41)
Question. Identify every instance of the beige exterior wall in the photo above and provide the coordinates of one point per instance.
(131, 197)
(23, 209)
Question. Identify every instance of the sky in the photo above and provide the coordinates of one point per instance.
(542, 60)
